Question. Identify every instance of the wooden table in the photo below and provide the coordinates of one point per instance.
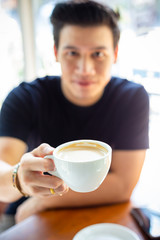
(65, 223)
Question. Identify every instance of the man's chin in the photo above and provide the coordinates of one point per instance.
(85, 99)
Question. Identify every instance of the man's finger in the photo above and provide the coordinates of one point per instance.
(43, 150)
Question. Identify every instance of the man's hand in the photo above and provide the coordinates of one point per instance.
(30, 173)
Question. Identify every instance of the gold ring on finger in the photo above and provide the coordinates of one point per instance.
(52, 191)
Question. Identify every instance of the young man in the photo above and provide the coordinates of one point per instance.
(84, 103)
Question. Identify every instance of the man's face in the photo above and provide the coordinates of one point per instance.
(86, 55)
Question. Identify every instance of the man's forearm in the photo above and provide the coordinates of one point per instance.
(111, 191)
(7, 192)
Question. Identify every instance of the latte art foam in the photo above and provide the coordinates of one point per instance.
(81, 154)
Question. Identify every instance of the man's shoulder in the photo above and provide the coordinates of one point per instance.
(39, 85)
(125, 86)
(124, 83)
(27, 93)
(128, 93)
(41, 82)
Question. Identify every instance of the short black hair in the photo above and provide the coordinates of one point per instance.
(84, 13)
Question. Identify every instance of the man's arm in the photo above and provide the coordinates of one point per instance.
(30, 176)
(11, 150)
(117, 187)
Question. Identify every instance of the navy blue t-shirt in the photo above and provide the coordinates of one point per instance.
(38, 112)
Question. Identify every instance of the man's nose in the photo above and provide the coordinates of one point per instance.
(85, 66)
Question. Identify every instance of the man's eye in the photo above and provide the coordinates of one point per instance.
(72, 53)
(98, 54)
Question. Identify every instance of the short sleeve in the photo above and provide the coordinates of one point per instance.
(15, 113)
(133, 125)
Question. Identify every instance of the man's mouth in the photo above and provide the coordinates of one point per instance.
(84, 83)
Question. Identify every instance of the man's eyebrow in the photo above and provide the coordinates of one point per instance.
(100, 48)
(92, 48)
(70, 47)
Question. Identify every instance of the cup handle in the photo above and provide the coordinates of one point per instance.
(54, 173)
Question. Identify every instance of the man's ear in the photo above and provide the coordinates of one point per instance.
(56, 53)
(115, 54)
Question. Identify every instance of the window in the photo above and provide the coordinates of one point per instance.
(11, 53)
(46, 64)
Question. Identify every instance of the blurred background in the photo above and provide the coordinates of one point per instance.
(26, 52)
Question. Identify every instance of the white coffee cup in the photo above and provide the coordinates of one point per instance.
(82, 164)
